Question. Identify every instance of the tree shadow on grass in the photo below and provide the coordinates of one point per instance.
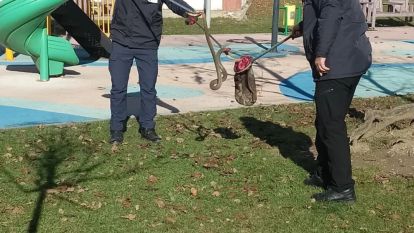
(53, 150)
(291, 144)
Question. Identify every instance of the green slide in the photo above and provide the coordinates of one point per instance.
(23, 29)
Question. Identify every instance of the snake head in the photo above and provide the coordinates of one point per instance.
(227, 51)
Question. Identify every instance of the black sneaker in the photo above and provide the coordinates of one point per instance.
(331, 195)
(149, 134)
(117, 137)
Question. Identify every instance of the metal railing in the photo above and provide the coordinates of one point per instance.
(100, 11)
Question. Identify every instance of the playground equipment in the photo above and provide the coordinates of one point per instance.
(23, 29)
(292, 15)
(81, 27)
(88, 22)
(374, 9)
(9, 54)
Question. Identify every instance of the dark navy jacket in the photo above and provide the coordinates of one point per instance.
(335, 29)
(138, 23)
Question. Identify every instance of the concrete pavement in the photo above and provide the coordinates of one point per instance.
(186, 69)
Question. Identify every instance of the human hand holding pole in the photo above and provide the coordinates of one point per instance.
(192, 17)
(297, 31)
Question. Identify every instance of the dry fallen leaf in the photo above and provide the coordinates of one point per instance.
(97, 206)
(25, 171)
(170, 220)
(15, 210)
(194, 192)
(126, 203)
(114, 148)
(212, 162)
(80, 190)
(180, 140)
(160, 203)
(52, 191)
(395, 216)
(130, 217)
(197, 175)
(152, 179)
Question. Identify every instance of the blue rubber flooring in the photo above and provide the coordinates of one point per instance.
(380, 80)
(13, 117)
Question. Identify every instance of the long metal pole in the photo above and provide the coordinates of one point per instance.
(207, 11)
(275, 23)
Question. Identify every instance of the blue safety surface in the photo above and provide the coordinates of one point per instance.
(176, 55)
(380, 80)
(12, 117)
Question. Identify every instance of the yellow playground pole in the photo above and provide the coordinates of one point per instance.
(9, 55)
(49, 25)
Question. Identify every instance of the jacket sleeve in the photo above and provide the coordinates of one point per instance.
(178, 9)
(328, 24)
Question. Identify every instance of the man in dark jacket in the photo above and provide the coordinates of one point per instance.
(136, 34)
(339, 53)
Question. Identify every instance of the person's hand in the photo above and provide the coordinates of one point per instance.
(320, 65)
(296, 32)
(192, 18)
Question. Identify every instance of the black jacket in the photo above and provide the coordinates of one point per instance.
(138, 23)
(335, 29)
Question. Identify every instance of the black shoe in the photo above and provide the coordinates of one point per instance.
(117, 137)
(149, 134)
(316, 180)
(347, 195)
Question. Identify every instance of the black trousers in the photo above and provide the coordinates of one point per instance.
(332, 99)
(120, 64)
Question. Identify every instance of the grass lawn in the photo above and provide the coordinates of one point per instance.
(259, 20)
(176, 26)
(226, 171)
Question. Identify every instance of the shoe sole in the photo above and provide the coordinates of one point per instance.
(345, 201)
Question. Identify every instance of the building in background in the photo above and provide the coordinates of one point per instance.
(219, 5)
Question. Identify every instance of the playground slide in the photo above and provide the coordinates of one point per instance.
(83, 29)
(22, 29)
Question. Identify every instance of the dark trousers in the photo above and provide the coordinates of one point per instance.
(332, 99)
(120, 64)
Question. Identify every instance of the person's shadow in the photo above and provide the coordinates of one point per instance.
(134, 104)
(292, 145)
